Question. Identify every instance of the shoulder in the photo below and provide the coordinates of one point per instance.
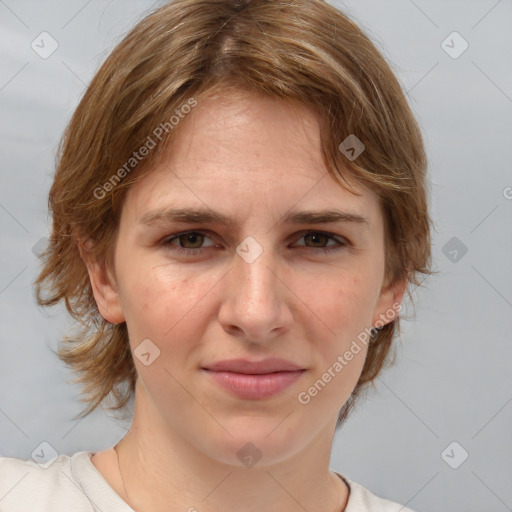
(363, 500)
(27, 485)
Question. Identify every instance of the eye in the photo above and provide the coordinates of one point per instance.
(193, 240)
(319, 238)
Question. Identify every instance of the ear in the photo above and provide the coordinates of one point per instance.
(103, 286)
(389, 303)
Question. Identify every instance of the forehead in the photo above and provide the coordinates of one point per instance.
(242, 152)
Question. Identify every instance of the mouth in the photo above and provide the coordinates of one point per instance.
(255, 386)
(251, 380)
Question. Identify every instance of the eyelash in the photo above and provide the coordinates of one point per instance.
(195, 252)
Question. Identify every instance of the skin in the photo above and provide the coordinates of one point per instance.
(253, 159)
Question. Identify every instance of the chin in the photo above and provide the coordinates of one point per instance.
(257, 441)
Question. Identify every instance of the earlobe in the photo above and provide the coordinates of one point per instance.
(103, 286)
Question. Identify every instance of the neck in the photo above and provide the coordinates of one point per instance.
(175, 475)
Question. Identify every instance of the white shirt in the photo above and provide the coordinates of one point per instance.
(74, 484)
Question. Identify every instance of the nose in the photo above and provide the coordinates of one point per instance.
(255, 300)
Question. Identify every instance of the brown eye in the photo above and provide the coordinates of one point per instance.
(317, 238)
(191, 240)
(190, 243)
(317, 241)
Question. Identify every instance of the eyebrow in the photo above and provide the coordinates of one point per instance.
(208, 216)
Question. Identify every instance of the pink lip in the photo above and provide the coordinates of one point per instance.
(255, 386)
(252, 380)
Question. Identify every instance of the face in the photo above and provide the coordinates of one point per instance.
(255, 277)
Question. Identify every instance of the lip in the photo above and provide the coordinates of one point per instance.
(255, 386)
(254, 380)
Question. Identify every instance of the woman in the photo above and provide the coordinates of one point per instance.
(238, 209)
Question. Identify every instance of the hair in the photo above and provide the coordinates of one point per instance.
(303, 51)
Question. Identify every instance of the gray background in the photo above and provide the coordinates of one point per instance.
(452, 381)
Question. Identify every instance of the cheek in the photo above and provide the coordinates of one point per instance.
(161, 305)
(161, 301)
(343, 308)
(343, 303)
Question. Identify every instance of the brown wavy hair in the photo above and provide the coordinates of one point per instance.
(301, 50)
